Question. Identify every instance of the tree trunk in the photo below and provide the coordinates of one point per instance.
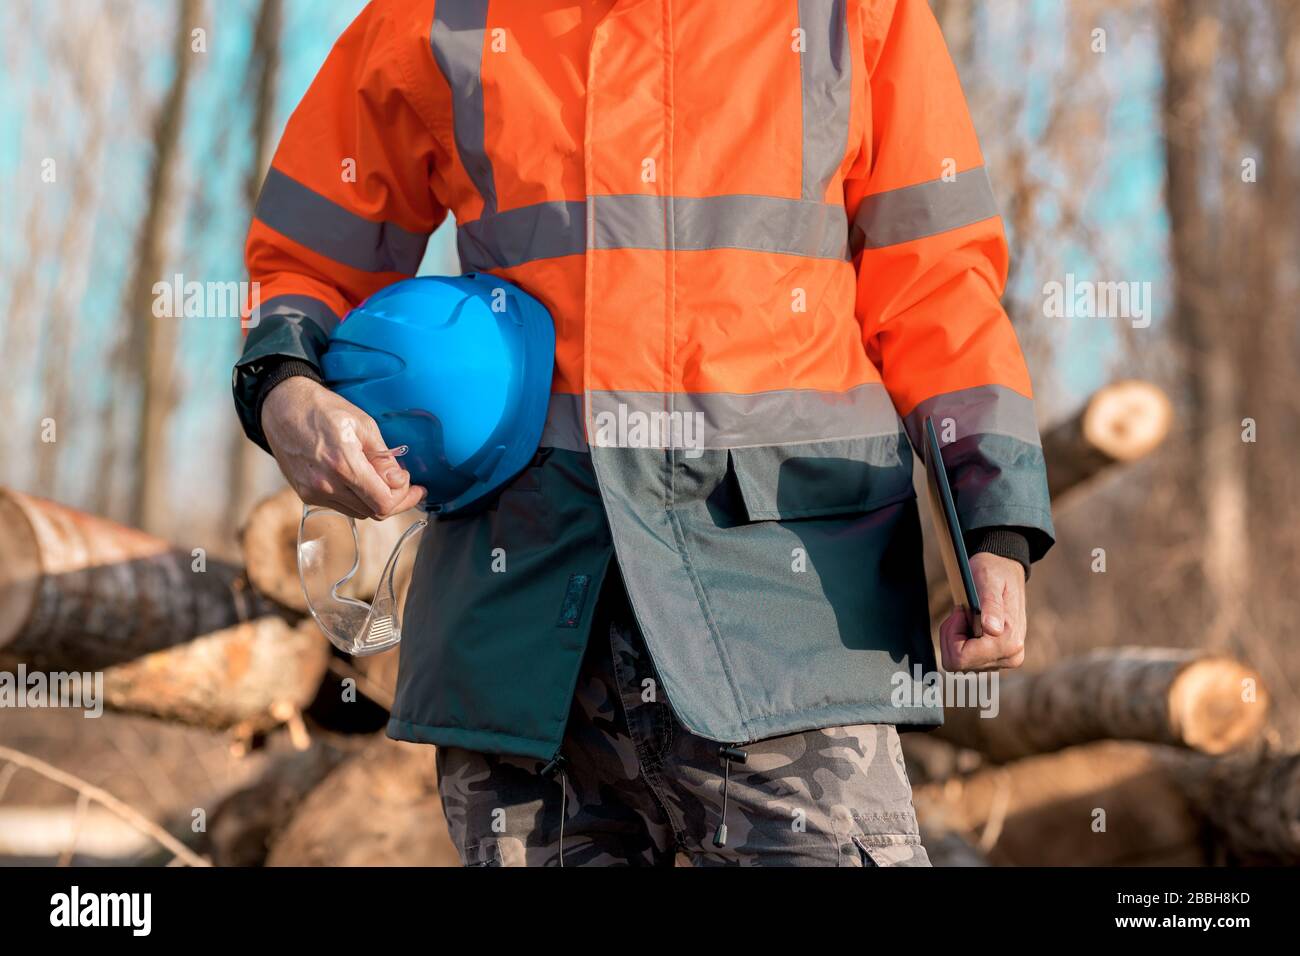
(90, 53)
(239, 676)
(152, 342)
(1203, 248)
(83, 591)
(1253, 804)
(263, 74)
(1113, 803)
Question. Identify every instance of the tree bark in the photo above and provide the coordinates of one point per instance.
(239, 676)
(152, 342)
(1253, 804)
(1182, 698)
(88, 592)
(380, 807)
(1203, 249)
(1115, 803)
(243, 826)
(1103, 804)
(175, 638)
(263, 75)
(1122, 422)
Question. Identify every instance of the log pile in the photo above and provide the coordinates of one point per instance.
(177, 635)
(1115, 803)
(1121, 756)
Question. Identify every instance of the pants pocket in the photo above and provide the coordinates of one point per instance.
(485, 854)
(894, 849)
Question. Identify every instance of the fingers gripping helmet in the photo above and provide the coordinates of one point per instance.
(457, 370)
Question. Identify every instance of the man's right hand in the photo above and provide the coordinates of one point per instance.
(332, 453)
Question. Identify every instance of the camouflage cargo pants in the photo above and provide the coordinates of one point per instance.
(638, 789)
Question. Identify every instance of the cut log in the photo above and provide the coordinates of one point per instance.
(1184, 698)
(177, 635)
(1252, 803)
(379, 808)
(1103, 804)
(267, 540)
(1121, 422)
(89, 593)
(269, 543)
(243, 826)
(248, 675)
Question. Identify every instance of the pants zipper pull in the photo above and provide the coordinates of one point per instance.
(728, 754)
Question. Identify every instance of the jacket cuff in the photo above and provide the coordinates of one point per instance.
(279, 372)
(1004, 542)
(285, 328)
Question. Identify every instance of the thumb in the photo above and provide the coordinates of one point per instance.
(372, 441)
(993, 614)
(379, 454)
(391, 470)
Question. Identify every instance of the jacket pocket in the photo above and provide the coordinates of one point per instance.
(820, 479)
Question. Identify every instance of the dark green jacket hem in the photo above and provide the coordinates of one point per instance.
(482, 741)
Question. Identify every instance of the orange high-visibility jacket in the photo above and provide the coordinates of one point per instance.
(770, 248)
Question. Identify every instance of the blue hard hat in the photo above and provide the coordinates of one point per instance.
(458, 369)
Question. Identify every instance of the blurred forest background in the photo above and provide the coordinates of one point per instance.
(1136, 141)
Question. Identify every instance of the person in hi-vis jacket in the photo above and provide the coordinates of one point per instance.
(770, 250)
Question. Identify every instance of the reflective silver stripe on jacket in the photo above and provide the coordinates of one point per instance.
(700, 420)
(925, 209)
(326, 228)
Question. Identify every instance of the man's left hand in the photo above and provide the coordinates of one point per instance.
(1000, 583)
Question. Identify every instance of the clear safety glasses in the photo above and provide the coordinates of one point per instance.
(329, 557)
